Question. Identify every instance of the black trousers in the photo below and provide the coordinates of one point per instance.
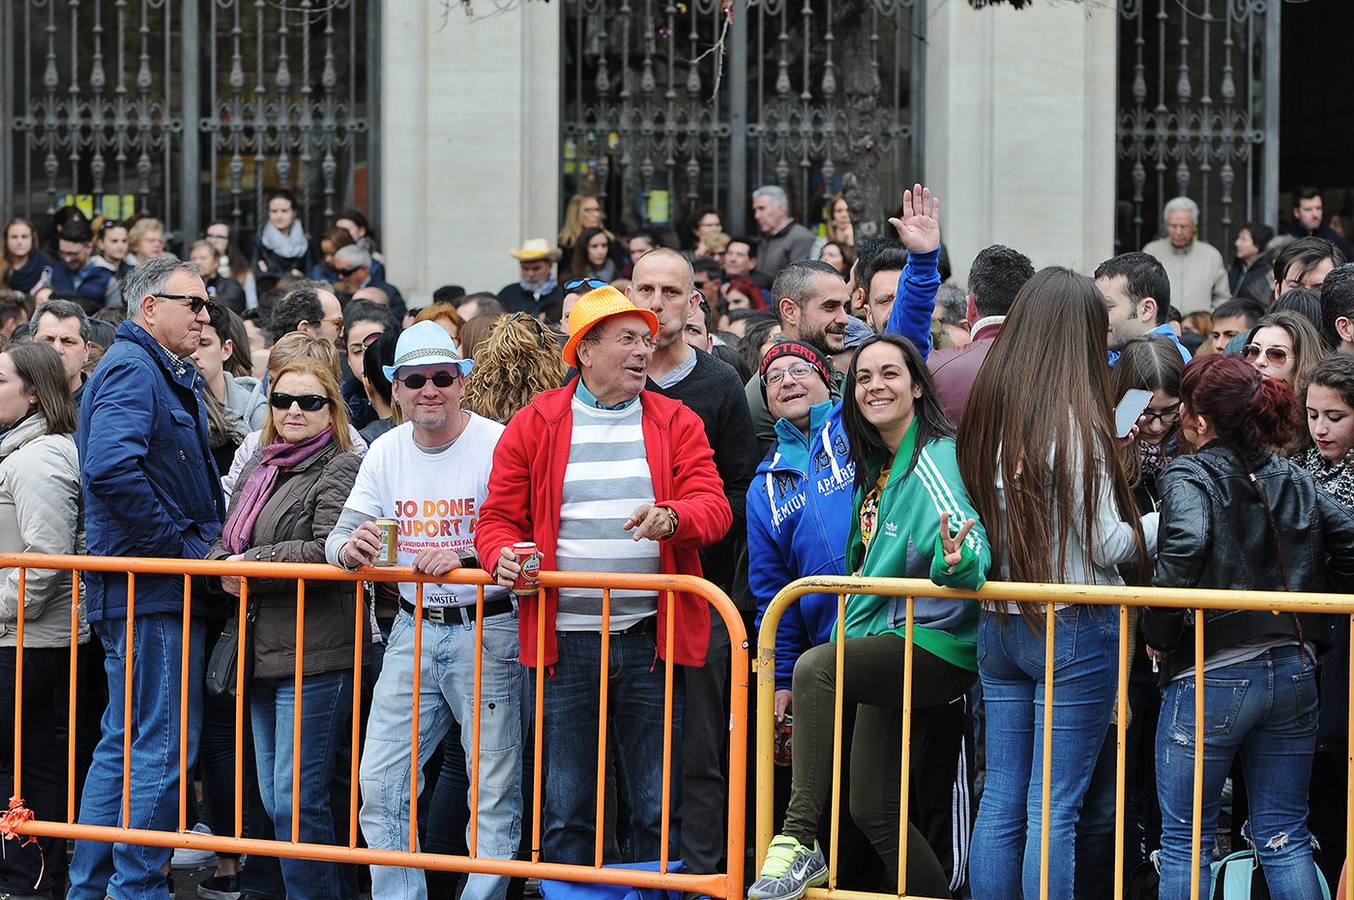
(44, 772)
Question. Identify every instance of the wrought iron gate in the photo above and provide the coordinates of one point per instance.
(189, 109)
(1198, 115)
(697, 102)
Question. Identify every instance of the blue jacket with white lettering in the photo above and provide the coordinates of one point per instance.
(799, 515)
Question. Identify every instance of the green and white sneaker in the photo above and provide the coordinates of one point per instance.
(789, 870)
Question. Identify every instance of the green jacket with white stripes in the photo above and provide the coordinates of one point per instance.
(906, 544)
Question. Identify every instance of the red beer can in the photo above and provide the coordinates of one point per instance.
(529, 580)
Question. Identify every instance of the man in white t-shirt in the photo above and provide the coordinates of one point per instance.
(431, 475)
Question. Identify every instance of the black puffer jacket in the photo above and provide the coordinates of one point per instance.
(1214, 533)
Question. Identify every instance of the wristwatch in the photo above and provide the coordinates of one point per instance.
(672, 519)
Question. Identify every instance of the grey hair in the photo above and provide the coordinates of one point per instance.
(953, 304)
(149, 278)
(775, 192)
(1175, 204)
(65, 309)
(796, 281)
(353, 255)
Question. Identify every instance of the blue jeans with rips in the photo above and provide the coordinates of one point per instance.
(446, 690)
(131, 871)
(1265, 710)
(1006, 840)
(326, 704)
(635, 694)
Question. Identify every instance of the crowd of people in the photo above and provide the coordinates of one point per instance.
(752, 410)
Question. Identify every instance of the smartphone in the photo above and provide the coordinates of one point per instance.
(1129, 409)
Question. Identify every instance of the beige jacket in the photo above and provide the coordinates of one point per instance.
(40, 512)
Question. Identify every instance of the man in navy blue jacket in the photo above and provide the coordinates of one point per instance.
(150, 490)
(74, 273)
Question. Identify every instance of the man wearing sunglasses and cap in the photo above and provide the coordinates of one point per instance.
(431, 476)
(150, 489)
(605, 476)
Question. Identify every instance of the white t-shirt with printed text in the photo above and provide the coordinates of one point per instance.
(434, 497)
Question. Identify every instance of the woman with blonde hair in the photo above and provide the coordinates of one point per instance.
(289, 348)
(518, 360)
(145, 240)
(585, 211)
(287, 501)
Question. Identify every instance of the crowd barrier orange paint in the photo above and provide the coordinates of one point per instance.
(728, 884)
(998, 592)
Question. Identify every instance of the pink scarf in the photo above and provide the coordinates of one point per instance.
(258, 489)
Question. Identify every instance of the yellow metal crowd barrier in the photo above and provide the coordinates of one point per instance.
(725, 885)
(1050, 595)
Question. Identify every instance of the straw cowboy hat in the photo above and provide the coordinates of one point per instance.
(534, 249)
(596, 306)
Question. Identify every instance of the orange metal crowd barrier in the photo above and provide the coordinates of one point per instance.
(725, 885)
(1050, 595)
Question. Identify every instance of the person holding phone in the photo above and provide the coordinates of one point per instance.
(1040, 456)
(911, 517)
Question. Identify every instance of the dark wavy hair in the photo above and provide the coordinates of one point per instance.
(863, 438)
(1250, 413)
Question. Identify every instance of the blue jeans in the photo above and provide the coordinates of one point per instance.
(1006, 848)
(1266, 711)
(130, 871)
(634, 742)
(446, 690)
(326, 704)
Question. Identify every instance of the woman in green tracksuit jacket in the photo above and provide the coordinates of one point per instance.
(912, 518)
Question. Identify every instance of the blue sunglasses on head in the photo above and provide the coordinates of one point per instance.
(590, 283)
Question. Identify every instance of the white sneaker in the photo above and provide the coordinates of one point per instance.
(191, 857)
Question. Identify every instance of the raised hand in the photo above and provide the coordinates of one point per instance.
(953, 545)
(919, 227)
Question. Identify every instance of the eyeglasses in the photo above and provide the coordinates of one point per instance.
(195, 303)
(217, 237)
(1276, 355)
(71, 254)
(590, 283)
(797, 372)
(629, 340)
(442, 379)
(1162, 416)
(307, 402)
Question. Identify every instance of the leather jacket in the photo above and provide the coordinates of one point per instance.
(1215, 533)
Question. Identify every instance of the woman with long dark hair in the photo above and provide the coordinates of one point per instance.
(1038, 452)
(39, 513)
(590, 257)
(283, 248)
(1236, 515)
(911, 518)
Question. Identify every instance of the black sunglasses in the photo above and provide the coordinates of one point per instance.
(195, 303)
(590, 283)
(307, 402)
(345, 273)
(439, 379)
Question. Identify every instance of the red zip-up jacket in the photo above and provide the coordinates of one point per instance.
(527, 484)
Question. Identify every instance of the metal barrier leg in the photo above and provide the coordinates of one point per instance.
(904, 779)
(834, 827)
(603, 683)
(415, 770)
(361, 638)
(666, 813)
(74, 692)
(1050, 623)
(475, 726)
(296, 712)
(1121, 753)
(1198, 811)
(184, 774)
(129, 667)
(243, 645)
(19, 687)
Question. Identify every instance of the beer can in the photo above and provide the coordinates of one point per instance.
(784, 734)
(390, 529)
(529, 580)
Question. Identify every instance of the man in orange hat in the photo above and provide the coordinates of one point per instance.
(537, 293)
(605, 476)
